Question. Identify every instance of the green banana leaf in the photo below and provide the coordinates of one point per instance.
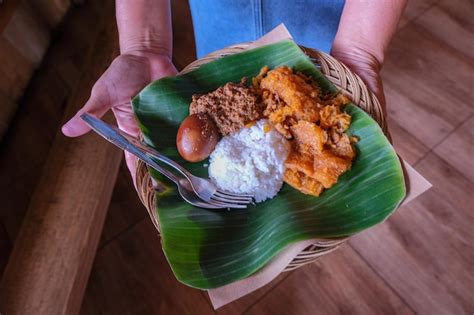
(211, 248)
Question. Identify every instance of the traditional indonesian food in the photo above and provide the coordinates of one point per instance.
(197, 137)
(280, 128)
(231, 107)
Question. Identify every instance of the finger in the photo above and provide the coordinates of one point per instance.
(97, 105)
(126, 119)
(131, 161)
(374, 83)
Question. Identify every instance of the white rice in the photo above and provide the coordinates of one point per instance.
(250, 161)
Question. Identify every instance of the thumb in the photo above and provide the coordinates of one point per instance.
(97, 105)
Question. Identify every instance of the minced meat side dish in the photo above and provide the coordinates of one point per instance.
(312, 126)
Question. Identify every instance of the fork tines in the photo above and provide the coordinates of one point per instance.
(231, 200)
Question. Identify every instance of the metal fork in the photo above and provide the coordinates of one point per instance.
(191, 188)
(184, 187)
(206, 190)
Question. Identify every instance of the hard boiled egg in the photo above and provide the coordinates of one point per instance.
(197, 137)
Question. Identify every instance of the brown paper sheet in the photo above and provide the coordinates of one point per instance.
(416, 185)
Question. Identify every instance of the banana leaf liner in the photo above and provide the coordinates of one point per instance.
(209, 248)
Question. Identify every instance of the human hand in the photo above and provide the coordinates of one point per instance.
(365, 64)
(364, 33)
(127, 75)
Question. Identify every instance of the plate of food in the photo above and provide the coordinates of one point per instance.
(267, 122)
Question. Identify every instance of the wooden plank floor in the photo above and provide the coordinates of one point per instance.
(24, 148)
(419, 261)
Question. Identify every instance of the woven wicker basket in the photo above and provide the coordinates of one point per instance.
(349, 83)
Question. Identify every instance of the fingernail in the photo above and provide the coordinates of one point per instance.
(68, 128)
(65, 129)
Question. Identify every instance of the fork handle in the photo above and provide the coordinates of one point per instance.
(154, 153)
(150, 162)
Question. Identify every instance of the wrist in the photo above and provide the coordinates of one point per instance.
(144, 25)
(145, 46)
(159, 64)
(353, 54)
(371, 53)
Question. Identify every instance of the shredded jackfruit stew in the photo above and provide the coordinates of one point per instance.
(315, 124)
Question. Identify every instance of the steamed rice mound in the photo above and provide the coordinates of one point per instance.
(250, 161)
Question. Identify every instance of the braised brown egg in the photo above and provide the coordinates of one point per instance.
(197, 137)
